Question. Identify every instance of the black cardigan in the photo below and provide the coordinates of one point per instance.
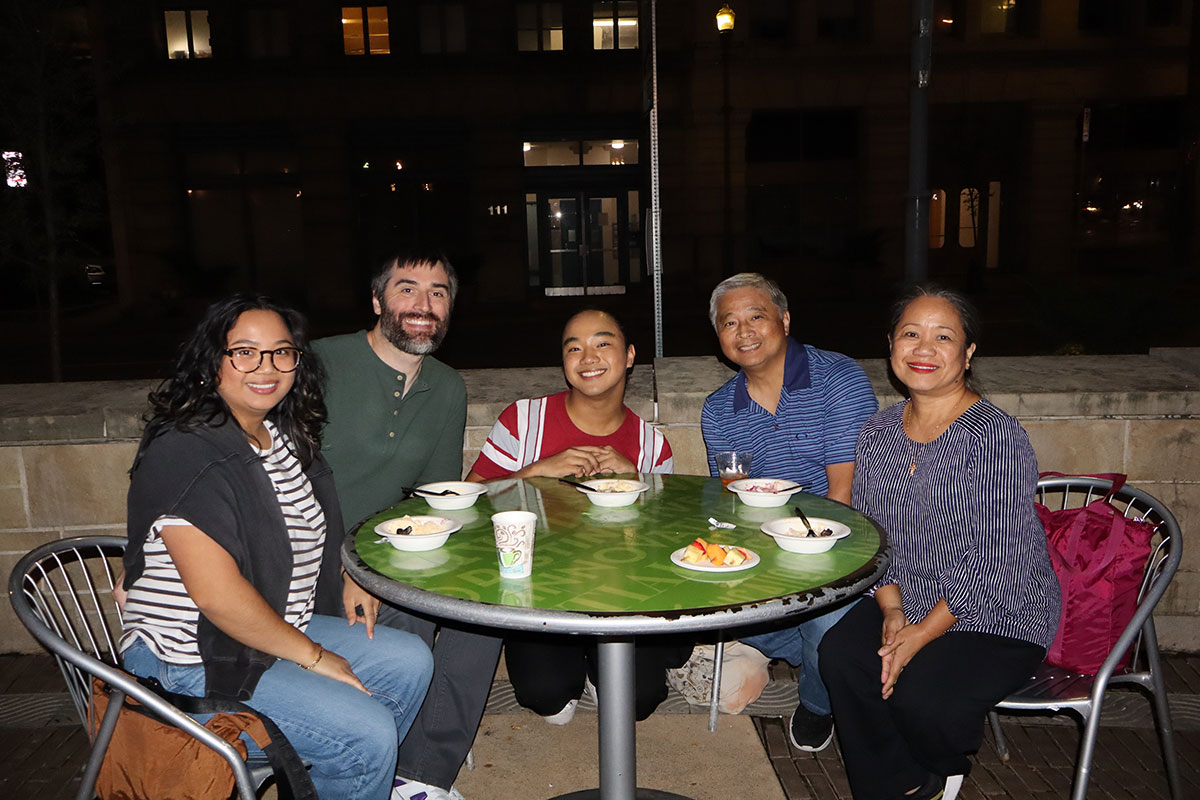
(211, 477)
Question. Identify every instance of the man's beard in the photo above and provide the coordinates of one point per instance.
(392, 327)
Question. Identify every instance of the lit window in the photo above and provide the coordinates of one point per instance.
(937, 219)
(443, 28)
(968, 217)
(539, 26)
(590, 153)
(187, 34)
(14, 170)
(615, 25)
(370, 38)
(997, 16)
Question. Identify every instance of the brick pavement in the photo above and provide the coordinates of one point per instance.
(42, 746)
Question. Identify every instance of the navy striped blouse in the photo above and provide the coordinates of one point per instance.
(963, 525)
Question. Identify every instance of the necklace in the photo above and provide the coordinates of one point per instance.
(916, 452)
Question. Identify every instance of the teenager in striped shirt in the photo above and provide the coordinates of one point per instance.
(970, 602)
(584, 431)
(233, 578)
(798, 410)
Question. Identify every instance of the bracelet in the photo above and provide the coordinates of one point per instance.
(317, 660)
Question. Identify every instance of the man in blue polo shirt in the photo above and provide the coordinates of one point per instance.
(798, 410)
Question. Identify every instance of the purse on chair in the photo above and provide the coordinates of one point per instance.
(149, 759)
(1099, 556)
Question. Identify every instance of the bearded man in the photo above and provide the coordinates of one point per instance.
(396, 419)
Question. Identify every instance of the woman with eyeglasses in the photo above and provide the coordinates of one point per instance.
(233, 578)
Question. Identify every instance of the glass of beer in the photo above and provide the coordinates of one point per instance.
(733, 465)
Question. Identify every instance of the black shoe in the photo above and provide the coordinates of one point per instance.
(808, 731)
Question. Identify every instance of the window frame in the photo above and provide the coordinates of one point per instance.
(187, 12)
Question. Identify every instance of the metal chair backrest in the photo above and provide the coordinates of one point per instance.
(62, 593)
(1165, 554)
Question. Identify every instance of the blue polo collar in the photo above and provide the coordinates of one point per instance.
(795, 375)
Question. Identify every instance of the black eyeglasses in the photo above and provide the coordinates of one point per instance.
(249, 359)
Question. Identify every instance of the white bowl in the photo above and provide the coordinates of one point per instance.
(613, 499)
(764, 492)
(790, 534)
(417, 542)
(466, 494)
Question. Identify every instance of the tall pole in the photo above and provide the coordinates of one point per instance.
(916, 221)
(655, 199)
(727, 238)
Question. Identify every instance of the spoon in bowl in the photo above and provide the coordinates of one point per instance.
(804, 519)
(583, 486)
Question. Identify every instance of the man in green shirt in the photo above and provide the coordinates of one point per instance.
(396, 419)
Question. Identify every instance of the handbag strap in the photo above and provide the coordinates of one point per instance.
(291, 776)
(1116, 478)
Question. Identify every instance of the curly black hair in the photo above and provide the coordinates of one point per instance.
(189, 398)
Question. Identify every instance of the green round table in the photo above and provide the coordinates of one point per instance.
(607, 572)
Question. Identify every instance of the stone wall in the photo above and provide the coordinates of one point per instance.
(65, 449)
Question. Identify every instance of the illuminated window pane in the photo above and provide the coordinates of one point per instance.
(552, 28)
(968, 217)
(531, 238)
(635, 238)
(527, 26)
(602, 26)
(937, 219)
(552, 154)
(201, 43)
(610, 152)
(177, 36)
(352, 32)
(627, 25)
(377, 30)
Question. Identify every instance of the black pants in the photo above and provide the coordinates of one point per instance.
(548, 672)
(934, 719)
(464, 662)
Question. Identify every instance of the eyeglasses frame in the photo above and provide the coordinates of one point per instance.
(228, 352)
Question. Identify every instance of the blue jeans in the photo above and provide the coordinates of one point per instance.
(797, 645)
(349, 737)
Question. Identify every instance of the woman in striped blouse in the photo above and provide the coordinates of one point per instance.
(970, 602)
(233, 579)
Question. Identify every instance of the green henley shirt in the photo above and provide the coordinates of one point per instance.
(380, 440)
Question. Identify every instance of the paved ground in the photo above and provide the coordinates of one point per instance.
(42, 746)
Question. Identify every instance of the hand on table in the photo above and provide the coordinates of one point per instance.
(579, 462)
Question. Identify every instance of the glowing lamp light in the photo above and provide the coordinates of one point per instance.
(399, 165)
(725, 18)
(618, 144)
(366, 165)
(526, 147)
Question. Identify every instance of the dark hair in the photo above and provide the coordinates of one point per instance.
(189, 398)
(609, 314)
(415, 257)
(968, 317)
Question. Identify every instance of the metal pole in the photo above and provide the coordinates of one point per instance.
(916, 222)
(727, 239)
(618, 737)
(655, 199)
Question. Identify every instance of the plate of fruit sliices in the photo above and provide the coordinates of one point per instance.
(705, 557)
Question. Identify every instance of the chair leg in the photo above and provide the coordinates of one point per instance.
(1162, 717)
(1087, 748)
(714, 700)
(104, 732)
(998, 736)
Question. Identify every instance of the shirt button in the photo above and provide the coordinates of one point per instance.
(391, 434)
(395, 394)
(400, 377)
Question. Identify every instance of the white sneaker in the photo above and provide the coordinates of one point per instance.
(562, 717)
(405, 789)
(953, 784)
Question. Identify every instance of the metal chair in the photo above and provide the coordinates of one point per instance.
(62, 593)
(1054, 689)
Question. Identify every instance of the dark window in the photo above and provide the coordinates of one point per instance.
(267, 33)
(539, 26)
(1147, 125)
(1009, 18)
(1163, 13)
(443, 28)
(771, 21)
(1108, 17)
(838, 19)
(812, 135)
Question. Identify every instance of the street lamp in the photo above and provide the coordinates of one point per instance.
(725, 18)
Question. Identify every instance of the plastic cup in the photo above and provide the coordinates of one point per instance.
(733, 465)
(514, 542)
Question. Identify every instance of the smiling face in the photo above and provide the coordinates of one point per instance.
(753, 334)
(929, 350)
(414, 312)
(595, 354)
(251, 395)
